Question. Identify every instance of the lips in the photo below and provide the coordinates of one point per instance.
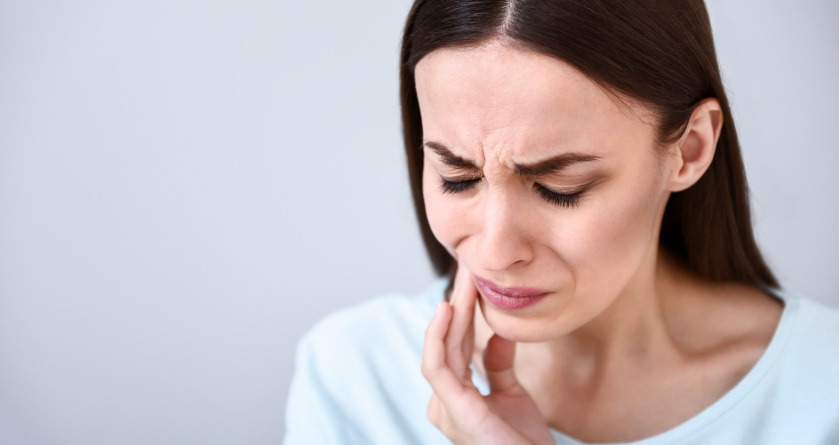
(512, 292)
(509, 297)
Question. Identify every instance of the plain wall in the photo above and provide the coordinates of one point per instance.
(186, 187)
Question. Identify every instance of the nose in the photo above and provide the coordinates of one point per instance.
(504, 241)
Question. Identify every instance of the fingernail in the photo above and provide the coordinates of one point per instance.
(439, 308)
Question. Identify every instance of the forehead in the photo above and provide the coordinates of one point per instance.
(523, 102)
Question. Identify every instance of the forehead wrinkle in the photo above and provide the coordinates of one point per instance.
(499, 145)
(494, 106)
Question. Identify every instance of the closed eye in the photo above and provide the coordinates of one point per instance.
(559, 199)
(555, 198)
(458, 186)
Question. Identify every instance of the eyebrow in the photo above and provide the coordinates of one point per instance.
(542, 168)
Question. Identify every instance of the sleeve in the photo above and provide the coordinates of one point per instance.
(313, 416)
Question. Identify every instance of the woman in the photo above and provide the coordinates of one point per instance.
(577, 176)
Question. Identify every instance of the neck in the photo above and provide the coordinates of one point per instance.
(638, 326)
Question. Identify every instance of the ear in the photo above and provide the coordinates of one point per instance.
(695, 149)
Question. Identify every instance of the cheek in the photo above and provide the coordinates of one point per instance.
(605, 246)
(440, 211)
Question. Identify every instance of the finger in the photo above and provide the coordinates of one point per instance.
(469, 346)
(434, 410)
(498, 363)
(433, 350)
(439, 417)
(463, 298)
(448, 426)
(460, 276)
(435, 369)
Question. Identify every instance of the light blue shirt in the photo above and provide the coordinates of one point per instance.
(357, 381)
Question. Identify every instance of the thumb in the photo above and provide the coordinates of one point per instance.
(498, 363)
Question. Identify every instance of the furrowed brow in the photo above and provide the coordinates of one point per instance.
(452, 159)
(542, 168)
(553, 165)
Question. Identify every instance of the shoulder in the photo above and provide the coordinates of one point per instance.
(391, 318)
(790, 394)
(813, 344)
(803, 379)
(822, 318)
(794, 325)
(357, 374)
(385, 331)
(802, 389)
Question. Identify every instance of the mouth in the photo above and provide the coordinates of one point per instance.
(509, 298)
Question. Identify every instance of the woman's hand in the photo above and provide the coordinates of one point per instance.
(507, 415)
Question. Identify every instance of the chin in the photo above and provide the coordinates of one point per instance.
(517, 329)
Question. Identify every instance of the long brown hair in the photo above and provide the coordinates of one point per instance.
(659, 52)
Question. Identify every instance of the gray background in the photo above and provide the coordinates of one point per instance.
(186, 187)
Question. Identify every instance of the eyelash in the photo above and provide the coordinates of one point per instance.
(557, 199)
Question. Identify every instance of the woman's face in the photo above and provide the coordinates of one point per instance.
(581, 232)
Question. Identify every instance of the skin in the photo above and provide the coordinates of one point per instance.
(628, 343)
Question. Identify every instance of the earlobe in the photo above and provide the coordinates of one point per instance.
(697, 145)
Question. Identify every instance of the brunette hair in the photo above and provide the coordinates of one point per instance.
(658, 52)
